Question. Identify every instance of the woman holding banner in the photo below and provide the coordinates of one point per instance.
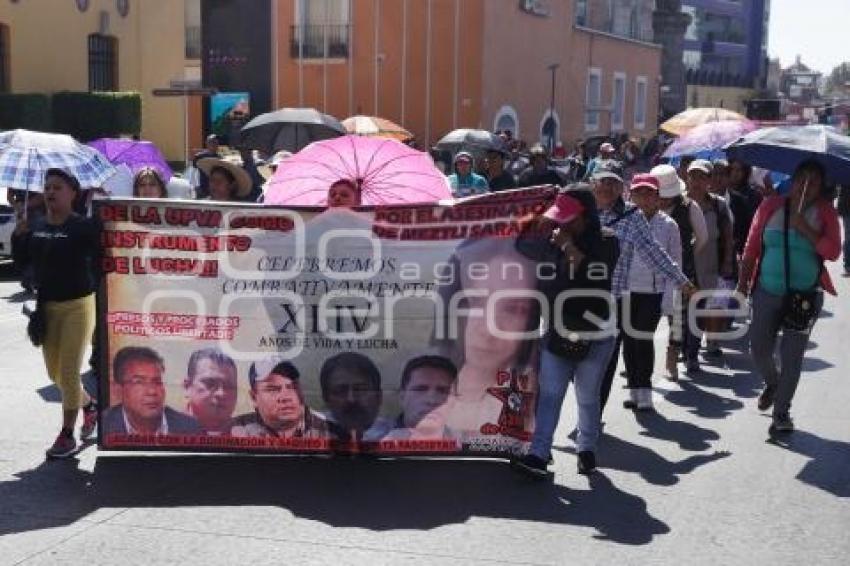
(575, 347)
(228, 181)
(65, 252)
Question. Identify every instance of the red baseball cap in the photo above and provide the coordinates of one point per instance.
(646, 180)
(565, 209)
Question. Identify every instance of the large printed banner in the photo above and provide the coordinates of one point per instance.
(392, 330)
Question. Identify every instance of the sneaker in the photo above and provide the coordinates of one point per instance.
(63, 447)
(89, 421)
(532, 465)
(766, 398)
(586, 462)
(782, 423)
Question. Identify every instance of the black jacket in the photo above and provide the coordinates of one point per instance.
(590, 275)
(502, 182)
(66, 259)
(529, 178)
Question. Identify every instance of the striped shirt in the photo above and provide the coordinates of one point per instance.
(633, 232)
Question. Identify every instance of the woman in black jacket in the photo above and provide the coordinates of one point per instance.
(64, 251)
(572, 247)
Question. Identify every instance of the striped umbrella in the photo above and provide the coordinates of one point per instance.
(26, 156)
(375, 127)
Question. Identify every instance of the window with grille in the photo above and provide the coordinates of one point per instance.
(322, 29)
(103, 63)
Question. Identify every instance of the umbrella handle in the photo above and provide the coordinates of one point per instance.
(803, 197)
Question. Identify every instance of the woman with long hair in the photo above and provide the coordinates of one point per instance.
(148, 183)
(65, 252)
(783, 268)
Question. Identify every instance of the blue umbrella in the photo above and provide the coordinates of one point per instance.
(26, 156)
(784, 148)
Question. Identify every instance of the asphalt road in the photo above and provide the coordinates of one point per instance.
(700, 482)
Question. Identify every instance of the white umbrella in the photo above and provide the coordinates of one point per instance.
(25, 158)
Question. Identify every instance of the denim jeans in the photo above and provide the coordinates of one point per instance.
(764, 335)
(555, 376)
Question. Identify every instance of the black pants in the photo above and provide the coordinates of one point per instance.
(608, 378)
(639, 353)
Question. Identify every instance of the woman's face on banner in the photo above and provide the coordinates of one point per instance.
(494, 344)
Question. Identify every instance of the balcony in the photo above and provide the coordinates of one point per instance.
(320, 41)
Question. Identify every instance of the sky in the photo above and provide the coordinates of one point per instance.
(813, 29)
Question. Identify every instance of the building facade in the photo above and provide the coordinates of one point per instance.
(48, 46)
(726, 42)
(437, 65)
(801, 84)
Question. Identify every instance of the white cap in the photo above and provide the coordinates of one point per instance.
(670, 184)
(701, 165)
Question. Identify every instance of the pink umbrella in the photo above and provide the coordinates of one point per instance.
(707, 139)
(388, 172)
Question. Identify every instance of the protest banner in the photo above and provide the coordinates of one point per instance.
(387, 330)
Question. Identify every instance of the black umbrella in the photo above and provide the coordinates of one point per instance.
(289, 129)
(466, 139)
(783, 149)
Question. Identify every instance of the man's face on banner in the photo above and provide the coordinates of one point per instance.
(483, 345)
(142, 391)
(277, 399)
(352, 399)
(424, 402)
(211, 394)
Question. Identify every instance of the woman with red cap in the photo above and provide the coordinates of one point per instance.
(645, 293)
(570, 240)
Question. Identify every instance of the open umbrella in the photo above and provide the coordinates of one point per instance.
(466, 139)
(26, 156)
(784, 148)
(291, 129)
(708, 139)
(388, 171)
(375, 127)
(686, 121)
(134, 154)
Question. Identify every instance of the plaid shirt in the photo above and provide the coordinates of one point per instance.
(633, 232)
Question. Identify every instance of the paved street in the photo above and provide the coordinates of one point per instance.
(698, 483)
